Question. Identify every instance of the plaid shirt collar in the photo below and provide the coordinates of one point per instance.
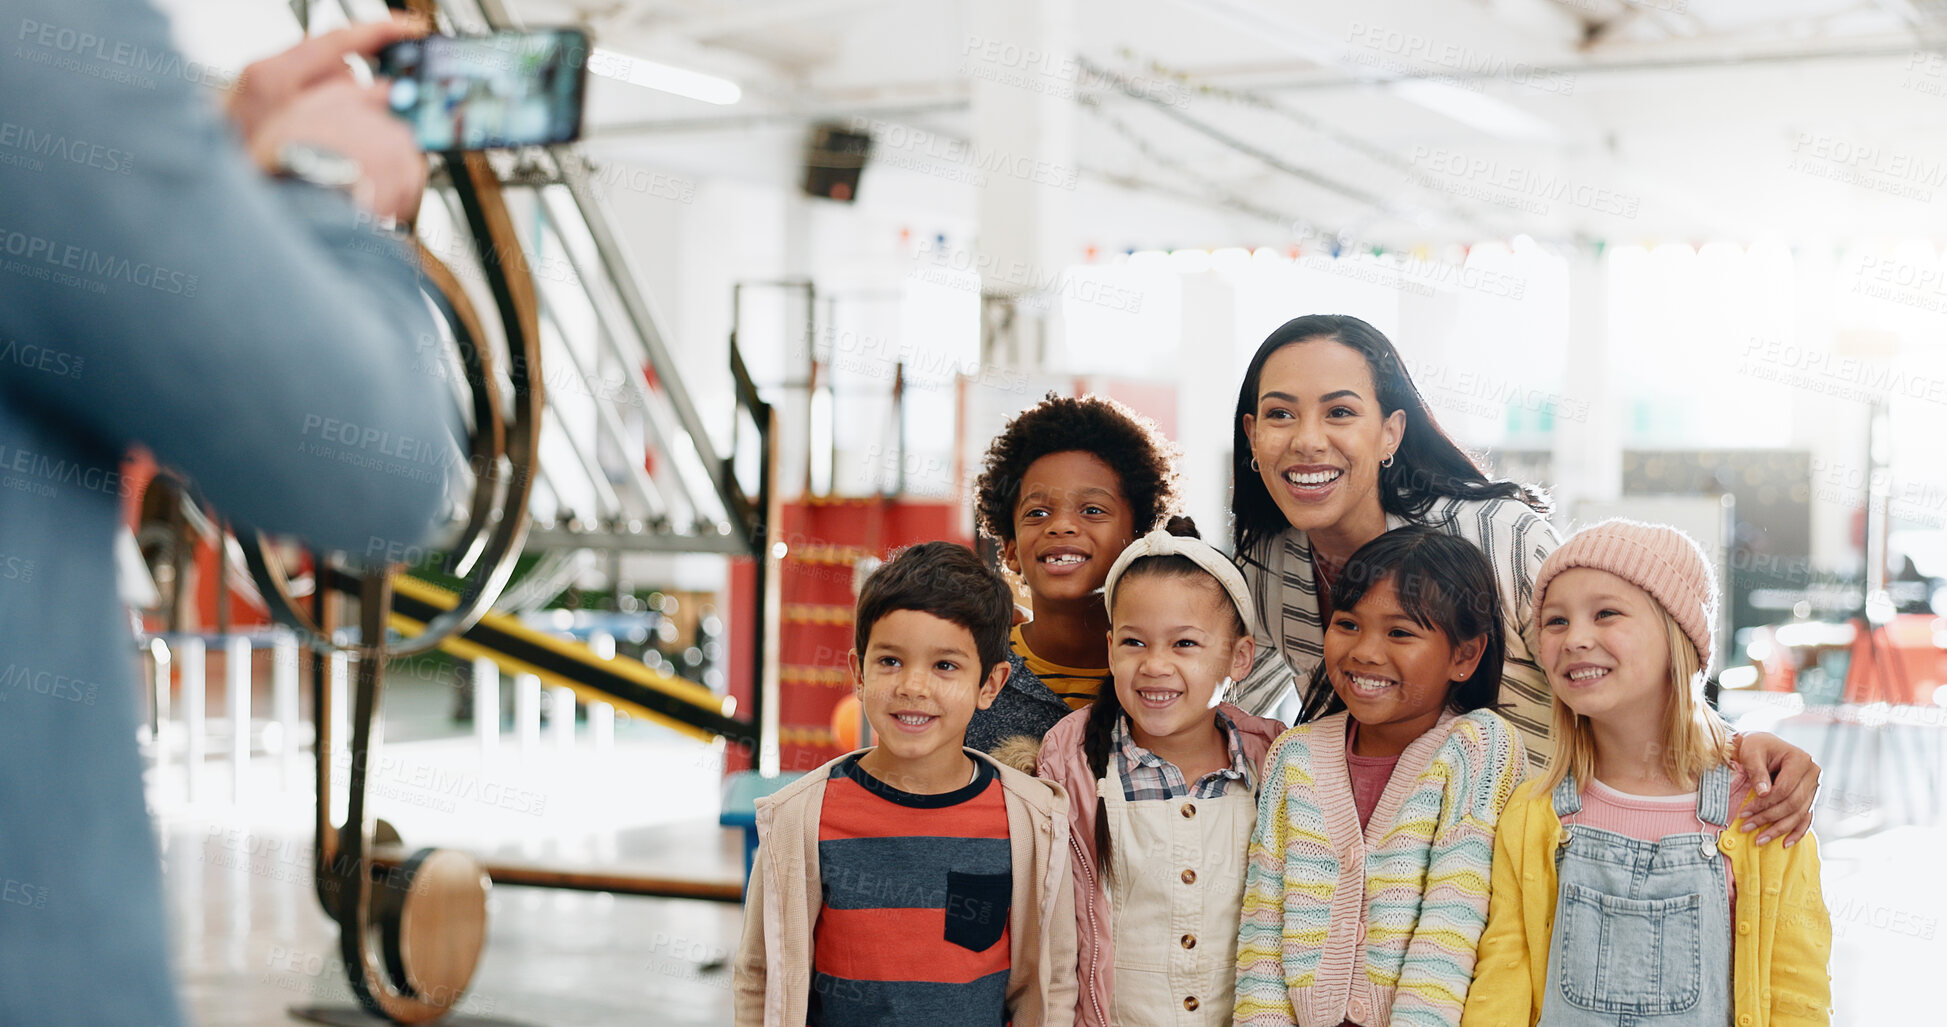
(1146, 775)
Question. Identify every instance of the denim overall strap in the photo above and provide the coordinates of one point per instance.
(1568, 797)
(1714, 796)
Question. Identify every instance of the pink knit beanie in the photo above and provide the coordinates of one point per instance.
(1656, 558)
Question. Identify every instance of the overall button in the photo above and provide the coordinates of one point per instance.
(1189, 810)
(1189, 941)
(1189, 877)
(1710, 848)
(1191, 1004)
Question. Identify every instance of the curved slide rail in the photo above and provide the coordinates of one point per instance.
(516, 648)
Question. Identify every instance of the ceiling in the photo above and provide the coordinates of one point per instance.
(1399, 122)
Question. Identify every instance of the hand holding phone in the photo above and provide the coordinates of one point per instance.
(269, 85)
(479, 92)
(306, 96)
(349, 121)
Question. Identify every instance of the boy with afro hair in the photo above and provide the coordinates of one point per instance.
(1066, 486)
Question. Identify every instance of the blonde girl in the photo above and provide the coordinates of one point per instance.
(1621, 895)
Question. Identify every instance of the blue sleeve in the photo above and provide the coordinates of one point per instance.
(259, 336)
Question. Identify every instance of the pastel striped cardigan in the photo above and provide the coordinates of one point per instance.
(1379, 926)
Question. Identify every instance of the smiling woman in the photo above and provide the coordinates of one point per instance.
(1333, 447)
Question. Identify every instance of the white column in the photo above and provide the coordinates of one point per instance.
(601, 726)
(486, 706)
(1207, 373)
(160, 682)
(189, 656)
(561, 700)
(793, 441)
(1588, 452)
(1833, 430)
(1019, 59)
(601, 715)
(527, 713)
(284, 704)
(338, 680)
(236, 671)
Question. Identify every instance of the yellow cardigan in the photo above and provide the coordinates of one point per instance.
(1778, 957)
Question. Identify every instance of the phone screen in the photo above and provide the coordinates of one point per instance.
(476, 92)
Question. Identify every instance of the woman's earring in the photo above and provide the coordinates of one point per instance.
(1388, 462)
(1254, 465)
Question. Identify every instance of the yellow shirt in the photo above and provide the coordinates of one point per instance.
(1779, 953)
(1077, 686)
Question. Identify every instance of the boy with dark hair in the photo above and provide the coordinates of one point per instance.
(916, 881)
(1068, 484)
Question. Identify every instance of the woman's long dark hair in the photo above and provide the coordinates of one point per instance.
(1444, 583)
(1428, 466)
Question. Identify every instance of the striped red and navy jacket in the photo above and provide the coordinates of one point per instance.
(916, 889)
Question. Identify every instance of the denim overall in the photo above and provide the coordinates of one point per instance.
(1642, 932)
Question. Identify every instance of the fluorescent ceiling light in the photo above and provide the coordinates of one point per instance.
(1478, 110)
(640, 71)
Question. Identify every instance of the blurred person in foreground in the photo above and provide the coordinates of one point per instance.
(194, 284)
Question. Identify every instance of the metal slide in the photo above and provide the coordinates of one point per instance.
(515, 648)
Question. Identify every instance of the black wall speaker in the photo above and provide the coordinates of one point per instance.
(833, 162)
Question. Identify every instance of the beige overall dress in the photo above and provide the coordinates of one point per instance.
(1174, 899)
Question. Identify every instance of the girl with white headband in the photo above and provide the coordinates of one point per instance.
(1173, 771)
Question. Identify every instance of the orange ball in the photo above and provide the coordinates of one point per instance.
(845, 723)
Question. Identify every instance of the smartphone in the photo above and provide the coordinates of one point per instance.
(479, 92)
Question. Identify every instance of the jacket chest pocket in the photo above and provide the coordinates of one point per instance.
(1633, 956)
(976, 908)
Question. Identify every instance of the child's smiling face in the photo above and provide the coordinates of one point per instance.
(920, 682)
(1393, 673)
(1604, 646)
(1070, 524)
(1173, 641)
